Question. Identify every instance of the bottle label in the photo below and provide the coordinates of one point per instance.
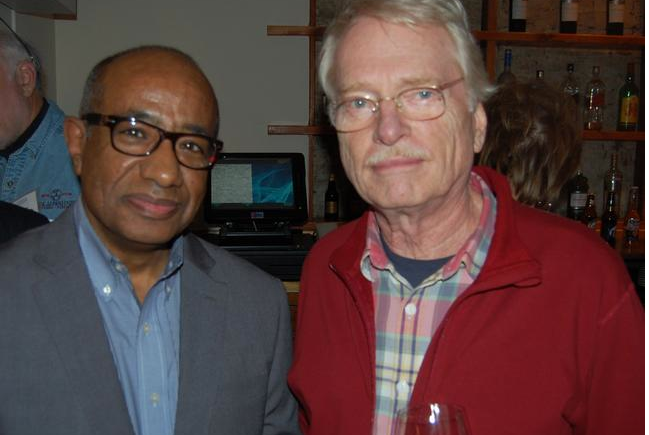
(629, 110)
(578, 200)
(569, 10)
(331, 207)
(519, 9)
(615, 12)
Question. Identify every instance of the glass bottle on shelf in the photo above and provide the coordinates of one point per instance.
(517, 15)
(615, 17)
(539, 80)
(331, 200)
(628, 102)
(609, 219)
(569, 85)
(507, 77)
(589, 217)
(613, 182)
(594, 100)
(568, 13)
(632, 218)
(578, 194)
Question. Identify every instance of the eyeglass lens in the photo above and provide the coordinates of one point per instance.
(139, 139)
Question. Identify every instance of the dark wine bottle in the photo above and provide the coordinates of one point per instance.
(578, 187)
(609, 219)
(569, 11)
(517, 15)
(331, 200)
(589, 217)
(615, 17)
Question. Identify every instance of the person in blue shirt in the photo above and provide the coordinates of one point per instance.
(114, 319)
(35, 167)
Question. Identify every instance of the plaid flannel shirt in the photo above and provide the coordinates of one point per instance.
(406, 318)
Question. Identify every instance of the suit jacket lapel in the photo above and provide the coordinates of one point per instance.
(202, 324)
(68, 306)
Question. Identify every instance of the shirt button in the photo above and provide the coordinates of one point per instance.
(168, 289)
(10, 183)
(411, 309)
(155, 399)
(119, 267)
(107, 290)
(146, 328)
(403, 387)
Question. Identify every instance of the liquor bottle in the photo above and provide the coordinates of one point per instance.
(628, 103)
(578, 194)
(517, 15)
(569, 11)
(609, 219)
(331, 200)
(632, 218)
(507, 77)
(594, 100)
(615, 17)
(539, 80)
(613, 182)
(569, 85)
(589, 217)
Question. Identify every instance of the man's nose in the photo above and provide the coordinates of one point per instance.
(390, 123)
(162, 165)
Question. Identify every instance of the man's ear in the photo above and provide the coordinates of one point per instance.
(74, 131)
(26, 77)
(479, 128)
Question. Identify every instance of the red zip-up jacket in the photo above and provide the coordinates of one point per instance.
(548, 340)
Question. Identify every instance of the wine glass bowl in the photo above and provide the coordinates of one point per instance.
(432, 419)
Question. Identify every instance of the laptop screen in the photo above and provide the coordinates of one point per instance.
(260, 187)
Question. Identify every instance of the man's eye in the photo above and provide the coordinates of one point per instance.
(424, 94)
(192, 147)
(133, 133)
(355, 104)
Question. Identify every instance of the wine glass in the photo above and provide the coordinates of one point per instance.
(432, 419)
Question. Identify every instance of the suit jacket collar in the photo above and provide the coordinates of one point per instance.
(76, 325)
(69, 308)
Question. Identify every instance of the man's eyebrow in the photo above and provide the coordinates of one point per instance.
(155, 120)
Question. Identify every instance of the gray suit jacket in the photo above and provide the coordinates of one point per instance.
(57, 374)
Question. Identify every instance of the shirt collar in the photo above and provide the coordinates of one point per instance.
(24, 137)
(106, 268)
(471, 255)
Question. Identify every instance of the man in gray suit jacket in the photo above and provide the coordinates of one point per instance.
(113, 320)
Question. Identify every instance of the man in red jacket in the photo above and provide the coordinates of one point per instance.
(448, 290)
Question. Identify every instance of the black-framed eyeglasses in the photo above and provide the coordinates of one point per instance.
(32, 58)
(355, 113)
(133, 137)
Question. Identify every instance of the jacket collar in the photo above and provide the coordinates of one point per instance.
(508, 261)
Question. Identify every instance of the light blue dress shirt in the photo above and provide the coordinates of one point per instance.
(144, 339)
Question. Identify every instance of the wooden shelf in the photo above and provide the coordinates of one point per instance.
(513, 38)
(295, 31)
(563, 39)
(308, 130)
(321, 130)
(630, 136)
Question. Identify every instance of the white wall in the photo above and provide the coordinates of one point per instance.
(258, 79)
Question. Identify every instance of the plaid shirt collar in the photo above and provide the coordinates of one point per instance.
(468, 256)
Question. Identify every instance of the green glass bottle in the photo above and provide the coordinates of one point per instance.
(628, 103)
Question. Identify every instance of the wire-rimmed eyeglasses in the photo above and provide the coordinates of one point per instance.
(133, 137)
(418, 104)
